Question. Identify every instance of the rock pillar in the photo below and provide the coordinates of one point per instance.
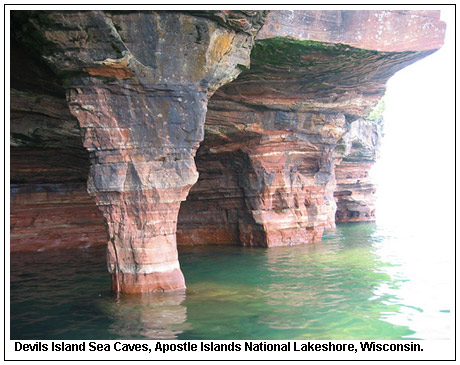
(288, 191)
(142, 143)
(272, 185)
(138, 83)
(313, 76)
(356, 152)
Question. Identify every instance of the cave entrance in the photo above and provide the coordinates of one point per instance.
(215, 211)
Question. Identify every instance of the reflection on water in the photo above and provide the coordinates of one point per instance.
(424, 270)
(361, 282)
(321, 291)
(149, 316)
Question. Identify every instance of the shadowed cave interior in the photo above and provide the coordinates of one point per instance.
(278, 116)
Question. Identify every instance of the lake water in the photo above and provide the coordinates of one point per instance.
(361, 282)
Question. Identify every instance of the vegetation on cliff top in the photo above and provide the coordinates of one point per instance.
(376, 114)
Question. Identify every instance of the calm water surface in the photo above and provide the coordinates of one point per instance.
(360, 282)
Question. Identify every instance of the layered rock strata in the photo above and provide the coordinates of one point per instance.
(272, 133)
(356, 153)
(267, 187)
(138, 83)
(49, 205)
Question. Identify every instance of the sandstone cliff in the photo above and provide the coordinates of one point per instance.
(251, 123)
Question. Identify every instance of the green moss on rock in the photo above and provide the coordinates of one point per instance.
(282, 51)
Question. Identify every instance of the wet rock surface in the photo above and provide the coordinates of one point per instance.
(274, 125)
(49, 205)
(138, 84)
(356, 153)
(289, 149)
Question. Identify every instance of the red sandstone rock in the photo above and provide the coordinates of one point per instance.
(381, 30)
(356, 152)
(280, 122)
(139, 82)
(136, 283)
(50, 207)
(274, 189)
(139, 90)
(355, 192)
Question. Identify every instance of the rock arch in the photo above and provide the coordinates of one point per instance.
(139, 83)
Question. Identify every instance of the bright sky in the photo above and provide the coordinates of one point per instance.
(415, 176)
(415, 173)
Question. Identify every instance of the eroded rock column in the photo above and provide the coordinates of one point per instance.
(288, 188)
(266, 177)
(138, 83)
(355, 155)
(313, 75)
(142, 144)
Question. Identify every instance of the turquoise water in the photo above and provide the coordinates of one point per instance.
(360, 282)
